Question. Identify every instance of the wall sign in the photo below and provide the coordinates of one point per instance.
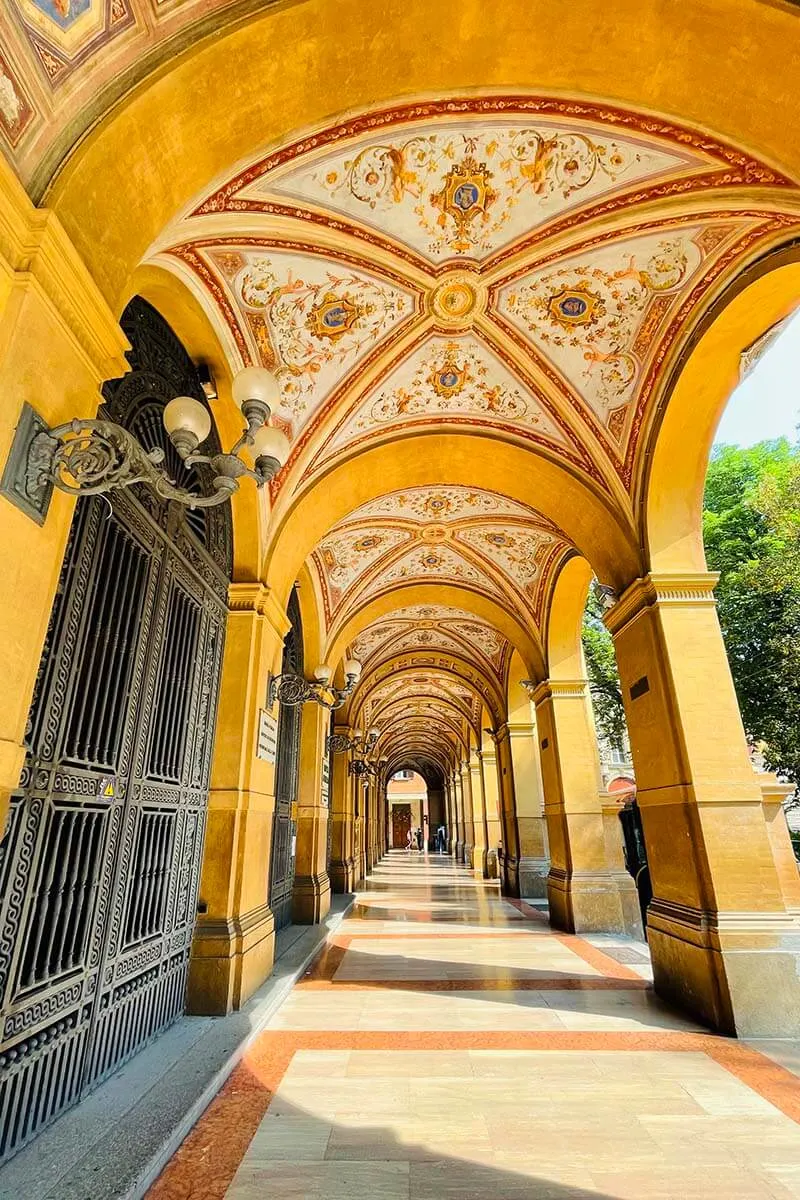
(325, 787)
(267, 746)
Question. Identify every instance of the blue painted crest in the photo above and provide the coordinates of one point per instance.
(466, 196)
(63, 12)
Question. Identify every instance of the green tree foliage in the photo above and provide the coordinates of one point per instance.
(751, 528)
(601, 667)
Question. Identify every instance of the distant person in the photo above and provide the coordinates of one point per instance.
(409, 840)
(441, 839)
(419, 839)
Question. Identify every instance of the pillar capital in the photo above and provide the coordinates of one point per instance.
(254, 597)
(559, 689)
(659, 589)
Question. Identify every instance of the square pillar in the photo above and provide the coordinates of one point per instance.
(724, 944)
(342, 814)
(584, 891)
(311, 894)
(465, 782)
(491, 791)
(509, 832)
(479, 822)
(534, 857)
(234, 942)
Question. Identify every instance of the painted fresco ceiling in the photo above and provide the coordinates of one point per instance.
(470, 538)
(492, 263)
(523, 268)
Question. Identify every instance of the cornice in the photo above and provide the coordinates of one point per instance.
(39, 252)
(662, 589)
(559, 689)
(255, 597)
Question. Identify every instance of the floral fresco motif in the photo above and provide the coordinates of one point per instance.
(515, 549)
(466, 191)
(433, 626)
(449, 378)
(443, 504)
(597, 318)
(346, 556)
(15, 111)
(320, 319)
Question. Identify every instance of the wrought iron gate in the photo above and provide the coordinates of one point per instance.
(284, 826)
(100, 862)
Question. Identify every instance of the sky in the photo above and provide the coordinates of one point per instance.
(766, 404)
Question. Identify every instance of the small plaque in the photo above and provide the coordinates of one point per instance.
(106, 788)
(325, 787)
(267, 747)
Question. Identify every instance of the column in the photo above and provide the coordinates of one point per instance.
(534, 859)
(459, 807)
(724, 945)
(343, 862)
(234, 942)
(509, 833)
(437, 814)
(584, 892)
(59, 341)
(492, 793)
(451, 819)
(479, 821)
(311, 899)
(469, 819)
(360, 809)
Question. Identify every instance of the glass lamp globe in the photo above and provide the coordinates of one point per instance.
(271, 442)
(374, 732)
(256, 384)
(352, 667)
(187, 422)
(323, 673)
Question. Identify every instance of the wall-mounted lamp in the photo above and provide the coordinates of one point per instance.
(89, 457)
(292, 690)
(605, 596)
(337, 743)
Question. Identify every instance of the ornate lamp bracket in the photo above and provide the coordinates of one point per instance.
(293, 690)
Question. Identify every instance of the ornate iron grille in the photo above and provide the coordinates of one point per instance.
(282, 857)
(100, 859)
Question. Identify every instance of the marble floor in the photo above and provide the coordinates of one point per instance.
(447, 1044)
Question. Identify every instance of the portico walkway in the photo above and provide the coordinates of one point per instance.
(448, 1044)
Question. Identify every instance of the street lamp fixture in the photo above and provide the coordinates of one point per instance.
(293, 690)
(338, 743)
(90, 457)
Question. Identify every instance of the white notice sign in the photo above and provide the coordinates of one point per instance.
(326, 782)
(267, 736)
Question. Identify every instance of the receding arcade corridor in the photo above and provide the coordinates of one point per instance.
(446, 1043)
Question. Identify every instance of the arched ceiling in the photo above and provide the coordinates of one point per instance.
(524, 266)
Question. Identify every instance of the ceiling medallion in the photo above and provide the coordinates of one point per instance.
(575, 306)
(434, 533)
(332, 316)
(457, 299)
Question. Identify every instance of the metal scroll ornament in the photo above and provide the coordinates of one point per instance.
(292, 690)
(89, 457)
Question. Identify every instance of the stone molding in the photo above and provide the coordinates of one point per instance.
(685, 589)
(559, 689)
(37, 249)
(254, 597)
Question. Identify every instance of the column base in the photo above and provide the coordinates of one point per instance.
(469, 854)
(593, 902)
(342, 874)
(509, 875)
(492, 871)
(230, 960)
(533, 874)
(736, 972)
(458, 850)
(311, 899)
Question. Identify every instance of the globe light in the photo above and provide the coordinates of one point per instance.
(374, 733)
(352, 667)
(187, 422)
(323, 673)
(256, 385)
(271, 442)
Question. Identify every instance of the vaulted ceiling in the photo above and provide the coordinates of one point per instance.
(523, 267)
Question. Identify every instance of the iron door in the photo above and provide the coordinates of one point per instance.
(287, 764)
